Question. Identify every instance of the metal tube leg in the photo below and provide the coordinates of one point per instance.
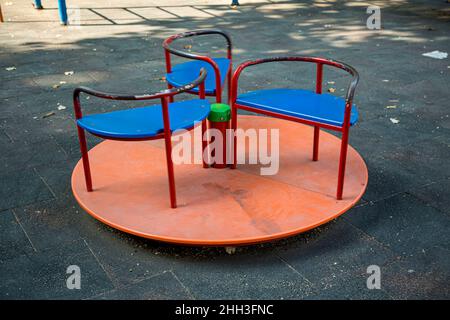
(204, 144)
(168, 142)
(1, 14)
(316, 144)
(234, 128)
(171, 99)
(38, 4)
(85, 157)
(229, 87)
(62, 11)
(342, 163)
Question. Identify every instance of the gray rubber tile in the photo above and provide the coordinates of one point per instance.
(43, 275)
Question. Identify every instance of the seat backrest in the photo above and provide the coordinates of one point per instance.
(320, 62)
(169, 50)
(189, 34)
(164, 95)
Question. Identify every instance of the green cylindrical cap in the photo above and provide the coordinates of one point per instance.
(220, 112)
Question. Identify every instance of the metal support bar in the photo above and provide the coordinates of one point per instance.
(319, 76)
(62, 8)
(38, 4)
(168, 144)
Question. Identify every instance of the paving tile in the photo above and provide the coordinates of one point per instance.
(13, 240)
(334, 254)
(437, 194)
(22, 187)
(158, 287)
(62, 220)
(9, 87)
(427, 158)
(58, 176)
(36, 105)
(4, 138)
(351, 288)
(396, 168)
(9, 61)
(29, 130)
(368, 144)
(426, 90)
(42, 275)
(404, 224)
(126, 258)
(388, 177)
(409, 130)
(242, 276)
(422, 277)
(19, 155)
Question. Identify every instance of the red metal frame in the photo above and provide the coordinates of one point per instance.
(165, 97)
(320, 62)
(168, 50)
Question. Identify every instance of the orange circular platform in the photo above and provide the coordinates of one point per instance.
(220, 206)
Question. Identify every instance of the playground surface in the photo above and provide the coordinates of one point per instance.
(401, 224)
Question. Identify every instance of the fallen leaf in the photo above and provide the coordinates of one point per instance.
(393, 120)
(230, 250)
(331, 90)
(61, 107)
(62, 82)
(49, 114)
(234, 7)
(68, 73)
(436, 54)
(187, 46)
(56, 86)
(10, 68)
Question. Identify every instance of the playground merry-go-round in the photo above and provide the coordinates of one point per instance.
(198, 173)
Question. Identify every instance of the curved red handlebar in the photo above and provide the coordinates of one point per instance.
(117, 96)
(322, 61)
(168, 50)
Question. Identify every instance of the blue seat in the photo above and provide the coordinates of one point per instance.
(186, 72)
(303, 104)
(145, 122)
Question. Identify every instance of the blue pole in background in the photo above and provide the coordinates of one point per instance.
(62, 11)
(38, 4)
